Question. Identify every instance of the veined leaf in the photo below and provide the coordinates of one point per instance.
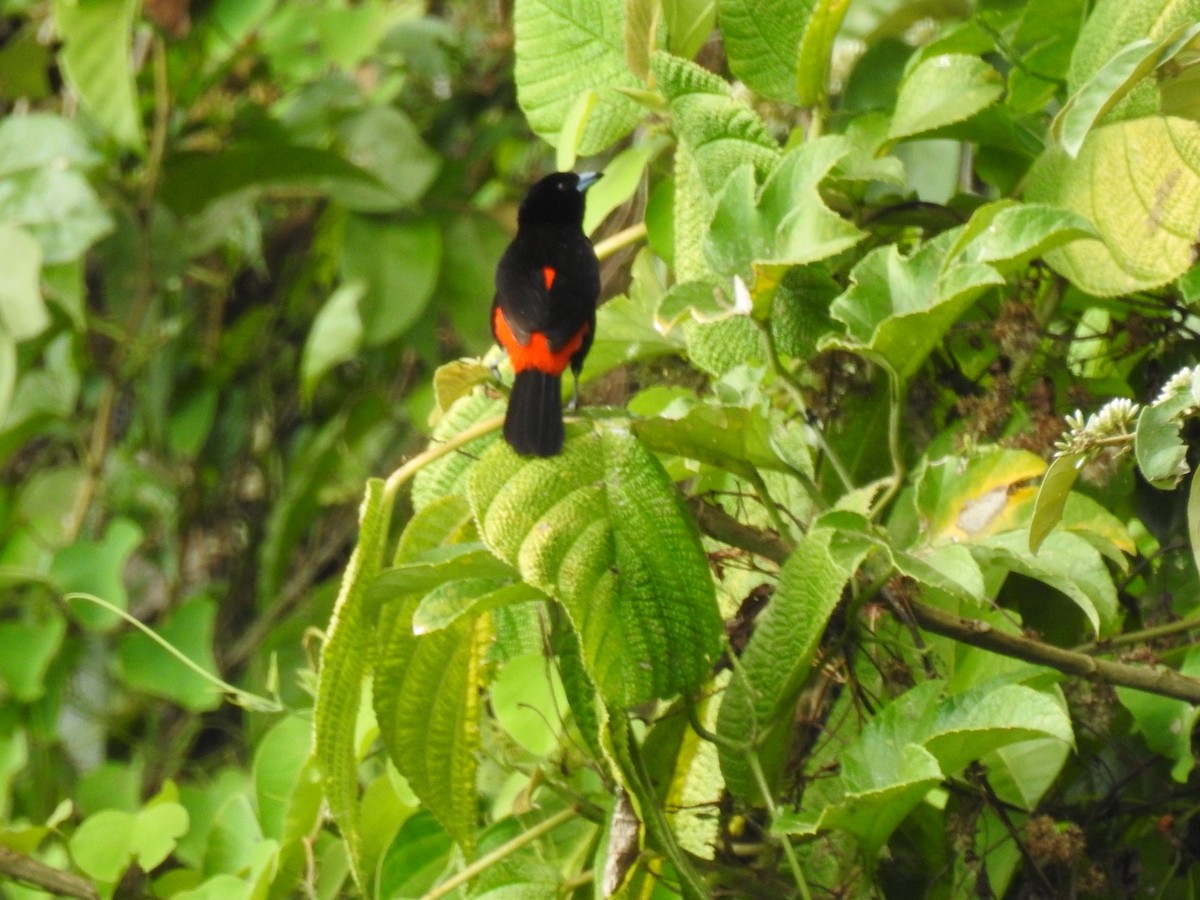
(345, 661)
(1160, 451)
(778, 660)
(1144, 171)
(97, 57)
(601, 529)
(428, 704)
(942, 90)
(786, 223)
(448, 474)
(689, 23)
(762, 41)
(898, 309)
(719, 132)
(1007, 235)
(964, 500)
(564, 49)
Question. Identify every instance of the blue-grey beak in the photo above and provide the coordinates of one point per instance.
(587, 179)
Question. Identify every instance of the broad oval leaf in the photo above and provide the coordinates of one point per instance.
(601, 529)
(1138, 182)
(942, 90)
(762, 41)
(1158, 445)
(566, 48)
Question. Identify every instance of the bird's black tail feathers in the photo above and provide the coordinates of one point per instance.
(534, 422)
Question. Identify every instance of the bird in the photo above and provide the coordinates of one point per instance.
(544, 310)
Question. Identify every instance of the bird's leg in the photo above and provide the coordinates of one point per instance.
(573, 403)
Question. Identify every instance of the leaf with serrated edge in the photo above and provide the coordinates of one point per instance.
(345, 658)
(600, 528)
(942, 90)
(778, 660)
(564, 49)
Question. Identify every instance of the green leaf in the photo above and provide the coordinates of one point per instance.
(762, 42)
(154, 832)
(1167, 724)
(1065, 562)
(601, 529)
(1008, 235)
(26, 651)
(1052, 496)
(1193, 519)
(428, 703)
(145, 666)
(786, 223)
(102, 845)
(98, 567)
(642, 21)
(281, 759)
(700, 301)
(778, 660)
(383, 141)
(719, 132)
(528, 701)
(816, 50)
(689, 23)
(1157, 443)
(398, 261)
(942, 90)
(335, 336)
(191, 181)
(345, 659)
(987, 493)
(897, 309)
(98, 35)
(448, 475)
(970, 725)
(1111, 82)
(1144, 171)
(1109, 27)
(565, 48)
(622, 177)
(22, 311)
(730, 437)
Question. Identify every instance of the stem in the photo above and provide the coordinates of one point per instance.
(509, 847)
(788, 850)
(24, 868)
(895, 410)
(397, 479)
(237, 695)
(620, 240)
(1164, 682)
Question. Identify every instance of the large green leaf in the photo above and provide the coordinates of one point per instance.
(778, 660)
(1158, 445)
(428, 703)
(192, 180)
(942, 90)
(601, 529)
(1109, 27)
(98, 35)
(146, 666)
(22, 311)
(398, 261)
(786, 223)
(719, 132)
(345, 661)
(566, 48)
(1143, 171)
(762, 42)
(897, 309)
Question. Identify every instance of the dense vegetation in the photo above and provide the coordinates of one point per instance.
(869, 568)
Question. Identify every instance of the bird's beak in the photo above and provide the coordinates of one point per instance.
(587, 179)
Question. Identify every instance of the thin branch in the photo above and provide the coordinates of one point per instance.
(1153, 680)
(506, 849)
(620, 240)
(24, 868)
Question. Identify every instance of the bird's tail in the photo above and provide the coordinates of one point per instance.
(533, 424)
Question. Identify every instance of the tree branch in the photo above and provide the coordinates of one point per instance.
(24, 868)
(717, 523)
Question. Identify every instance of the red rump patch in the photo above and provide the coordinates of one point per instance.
(537, 354)
(548, 275)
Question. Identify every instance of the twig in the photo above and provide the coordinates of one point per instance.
(1153, 680)
(508, 847)
(20, 867)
